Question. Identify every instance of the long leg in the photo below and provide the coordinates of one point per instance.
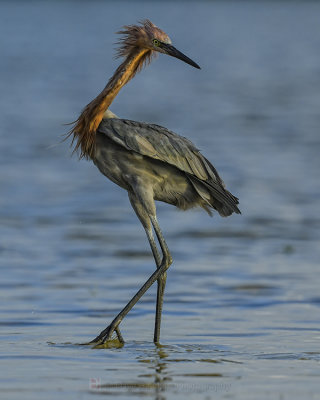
(107, 333)
(161, 280)
(146, 221)
(164, 265)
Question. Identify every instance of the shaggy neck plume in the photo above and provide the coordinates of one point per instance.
(84, 130)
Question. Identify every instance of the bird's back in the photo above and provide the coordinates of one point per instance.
(180, 174)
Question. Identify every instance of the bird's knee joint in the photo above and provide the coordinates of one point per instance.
(168, 259)
(166, 262)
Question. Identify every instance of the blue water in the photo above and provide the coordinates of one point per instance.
(241, 312)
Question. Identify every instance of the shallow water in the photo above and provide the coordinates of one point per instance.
(241, 312)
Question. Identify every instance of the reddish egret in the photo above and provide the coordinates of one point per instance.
(149, 161)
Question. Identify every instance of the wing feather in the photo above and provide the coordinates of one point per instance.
(159, 143)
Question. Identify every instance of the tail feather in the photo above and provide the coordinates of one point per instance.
(216, 196)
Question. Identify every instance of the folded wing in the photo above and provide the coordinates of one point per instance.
(159, 143)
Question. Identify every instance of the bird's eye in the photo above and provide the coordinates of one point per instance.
(156, 42)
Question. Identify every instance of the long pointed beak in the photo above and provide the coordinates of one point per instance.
(172, 51)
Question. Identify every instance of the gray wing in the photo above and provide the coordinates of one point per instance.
(157, 142)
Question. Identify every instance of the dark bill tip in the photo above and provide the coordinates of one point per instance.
(172, 51)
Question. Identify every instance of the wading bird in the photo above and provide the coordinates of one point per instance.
(149, 161)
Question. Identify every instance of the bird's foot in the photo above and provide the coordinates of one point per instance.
(106, 336)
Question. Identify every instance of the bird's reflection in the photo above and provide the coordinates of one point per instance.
(152, 383)
(157, 359)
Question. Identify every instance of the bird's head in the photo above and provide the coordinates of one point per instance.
(149, 36)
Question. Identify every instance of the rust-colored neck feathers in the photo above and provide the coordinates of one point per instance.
(84, 130)
(136, 56)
